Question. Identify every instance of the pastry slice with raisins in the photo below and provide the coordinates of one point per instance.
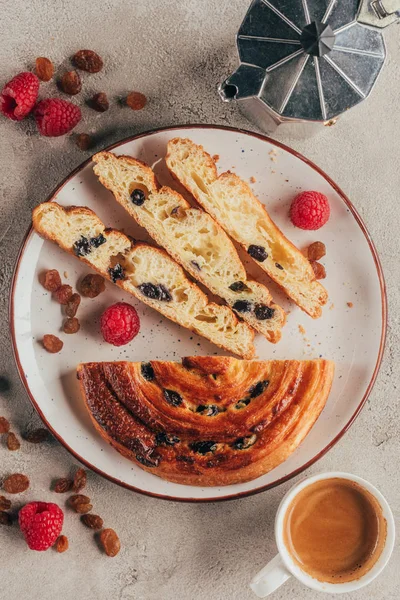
(209, 420)
(146, 272)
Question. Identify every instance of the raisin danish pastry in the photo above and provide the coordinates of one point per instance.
(233, 205)
(146, 272)
(208, 421)
(191, 237)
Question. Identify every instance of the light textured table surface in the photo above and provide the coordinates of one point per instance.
(176, 52)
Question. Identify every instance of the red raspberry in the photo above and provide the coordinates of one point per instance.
(119, 324)
(19, 95)
(56, 117)
(41, 523)
(310, 210)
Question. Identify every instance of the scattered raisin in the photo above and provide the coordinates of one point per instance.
(203, 447)
(150, 460)
(138, 197)
(72, 305)
(71, 83)
(87, 60)
(279, 266)
(238, 286)
(62, 544)
(82, 247)
(37, 436)
(98, 240)
(257, 252)
(209, 410)
(62, 485)
(147, 371)
(71, 325)
(136, 100)
(5, 503)
(242, 403)
(83, 141)
(319, 270)
(242, 306)
(13, 442)
(52, 343)
(172, 397)
(116, 273)
(80, 480)
(110, 542)
(263, 312)
(5, 518)
(50, 280)
(4, 425)
(168, 440)
(155, 292)
(92, 285)
(44, 68)
(78, 499)
(82, 508)
(92, 521)
(244, 442)
(99, 102)
(316, 251)
(258, 388)
(16, 483)
(63, 294)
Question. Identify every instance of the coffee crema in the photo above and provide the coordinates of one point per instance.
(334, 530)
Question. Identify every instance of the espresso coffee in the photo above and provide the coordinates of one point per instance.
(334, 530)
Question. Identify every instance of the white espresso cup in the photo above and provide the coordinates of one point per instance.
(282, 567)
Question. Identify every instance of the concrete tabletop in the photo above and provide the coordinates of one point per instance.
(176, 53)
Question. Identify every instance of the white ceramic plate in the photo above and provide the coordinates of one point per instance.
(352, 337)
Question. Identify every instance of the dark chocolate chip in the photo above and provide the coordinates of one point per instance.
(263, 312)
(98, 241)
(173, 398)
(209, 410)
(147, 371)
(258, 388)
(116, 273)
(203, 447)
(242, 306)
(138, 197)
(257, 252)
(82, 247)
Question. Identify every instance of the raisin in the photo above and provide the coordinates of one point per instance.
(88, 61)
(209, 410)
(44, 68)
(242, 403)
(316, 251)
(13, 442)
(167, 440)
(15, 484)
(70, 83)
(62, 485)
(82, 508)
(136, 100)
(155, 292)
(92, 521)
(244, 442)
(203, 447)
(263, 312)
(72, 305)
(278, 266)
(147, 371)
(165, 296)
(257, 252)
(63, 294)
(238, 286)
(178, 212)
(83, 141)
(110, 542)
(98, 240)
(99, 102)
(50, 280)
(258, 388)
(242, 306)
(80, 480)
(82, 246)
(52, 343)
(319, 270)
(62, 544)
(37, 436)
(172, 397)
(76, 499)
(150, 460)
(196, 265)
(116, 273)
(4, 425)
(71, 325)
(5, 503)
(92, 285)
(5, 518)
(138, 197)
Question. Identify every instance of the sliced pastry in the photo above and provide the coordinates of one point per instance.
(230, 201)
(192, 238)
(146, 272)
(208, 421)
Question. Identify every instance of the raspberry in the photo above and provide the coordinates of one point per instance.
(41, 524)
(119, 324)
(19, 95)
(56, 117)
(310, 210)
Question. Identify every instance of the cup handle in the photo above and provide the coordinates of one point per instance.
(272, 576)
